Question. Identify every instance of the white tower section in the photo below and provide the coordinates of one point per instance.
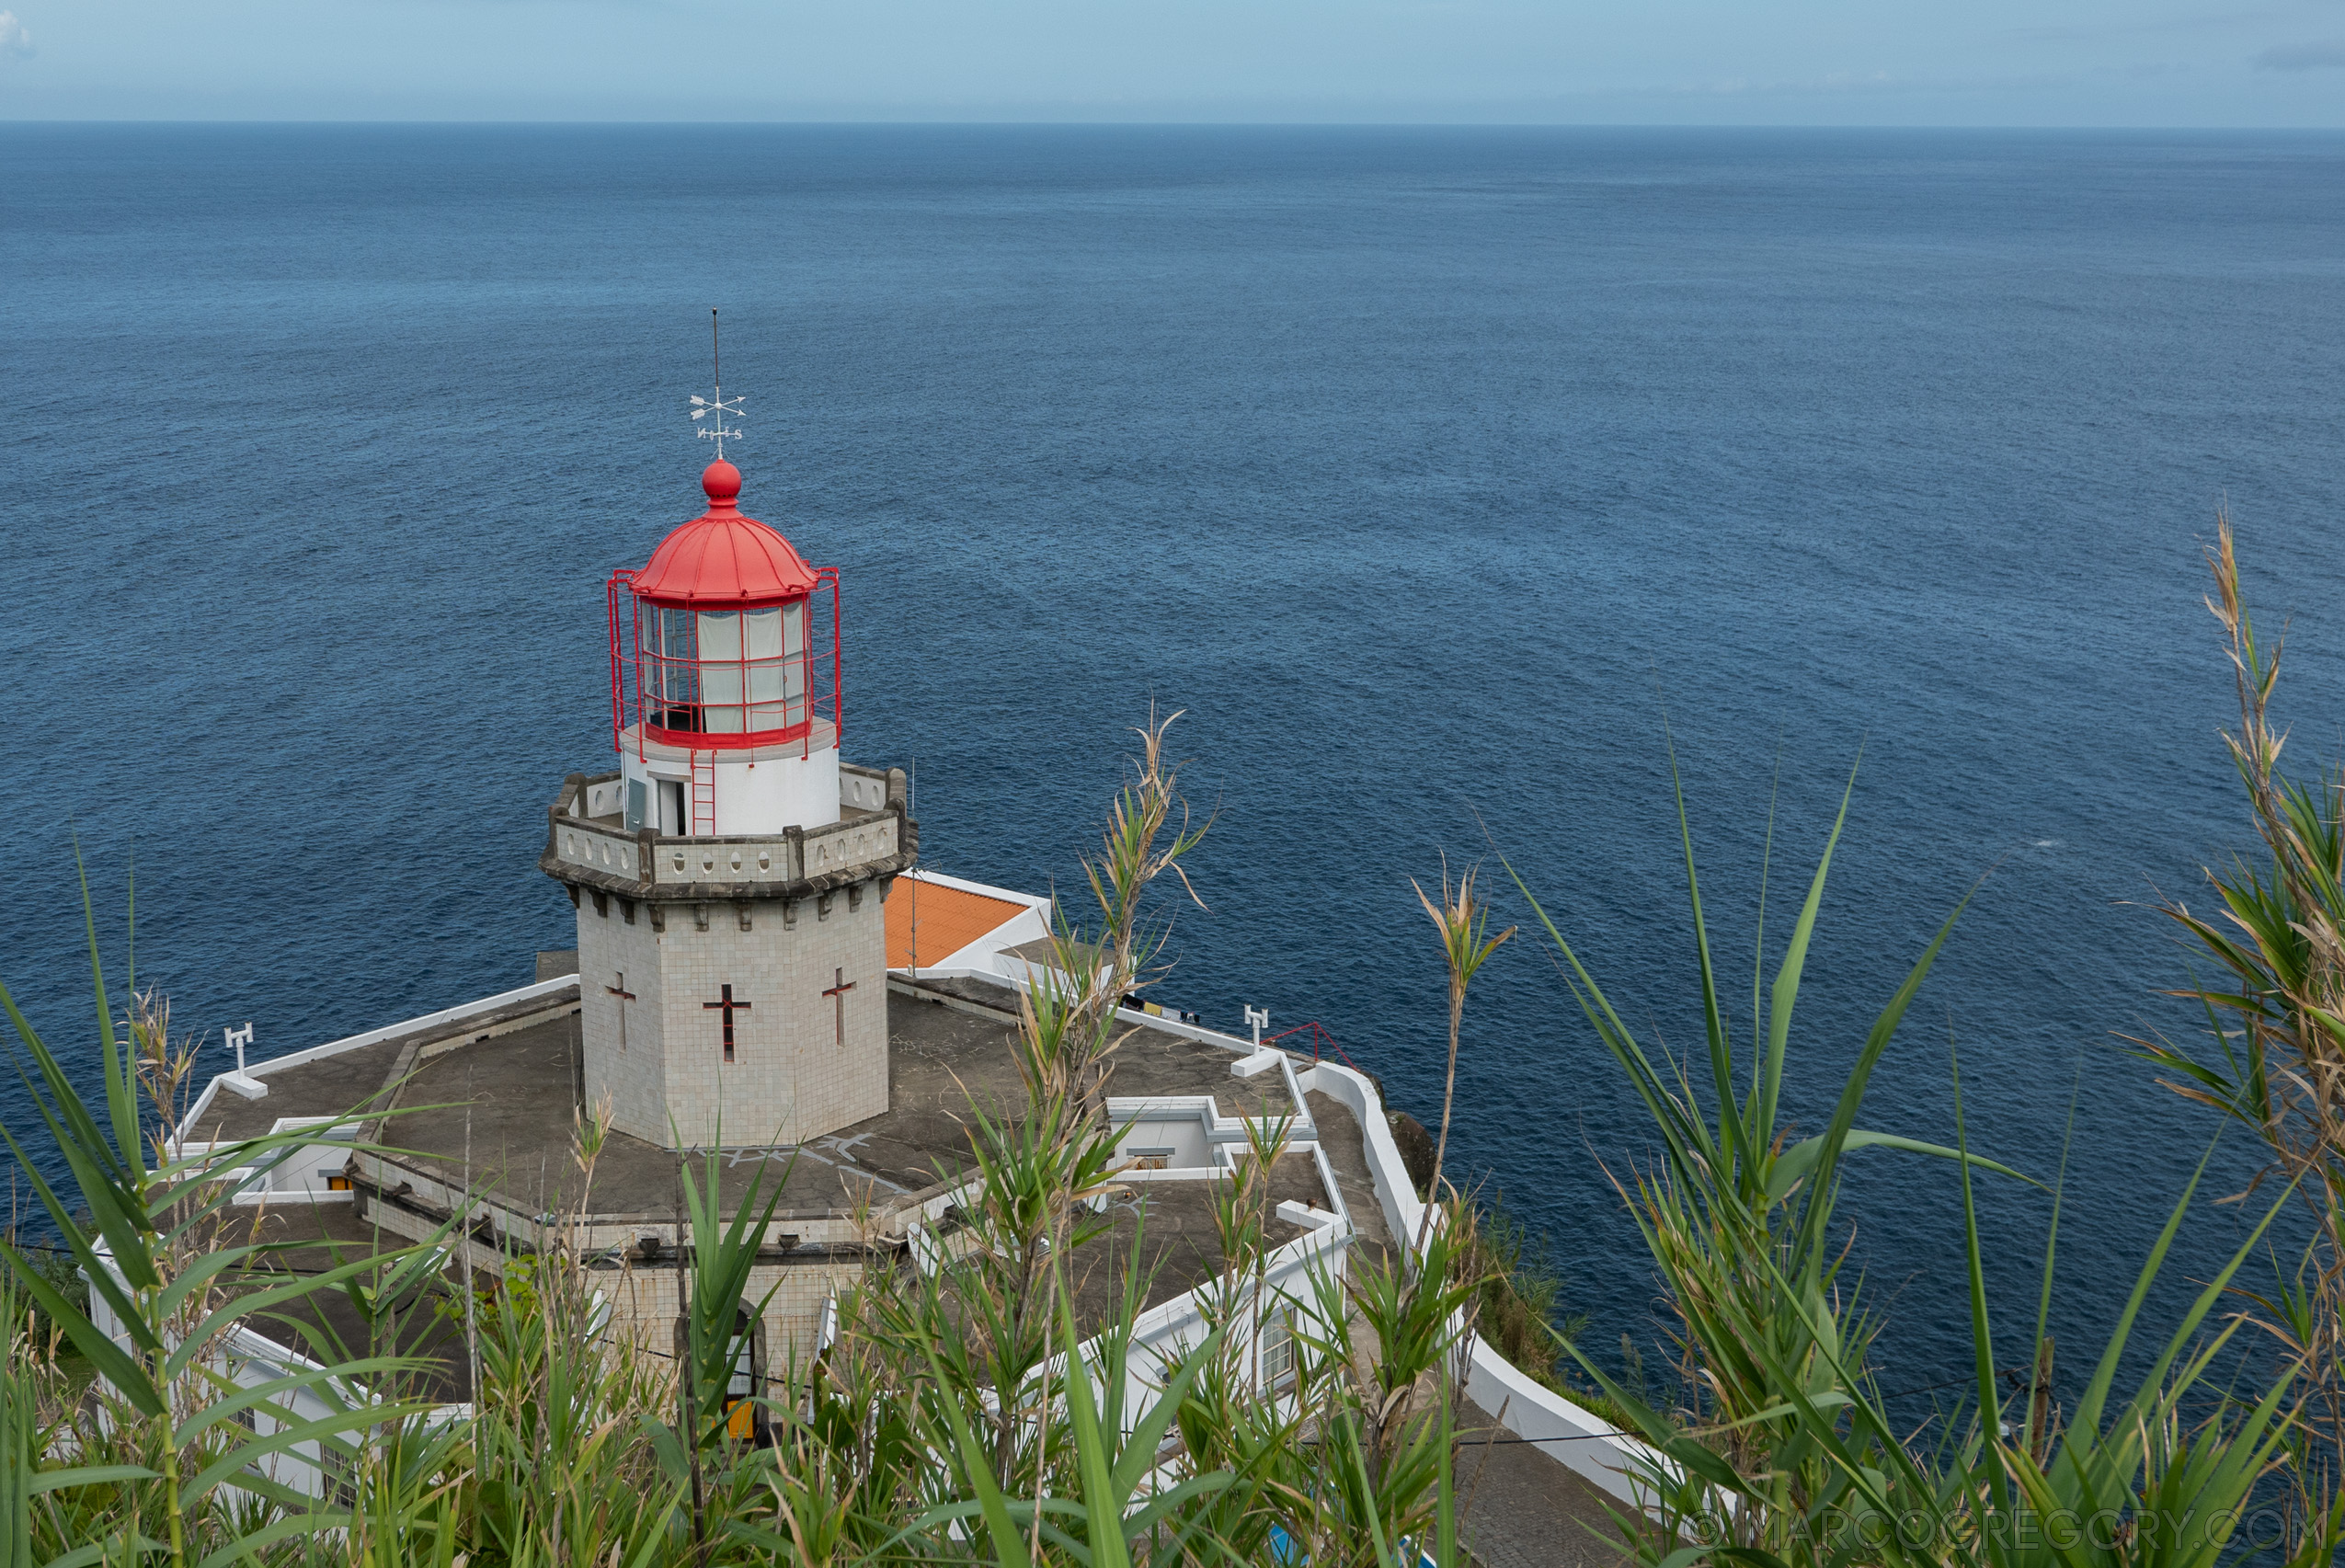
(757, 790)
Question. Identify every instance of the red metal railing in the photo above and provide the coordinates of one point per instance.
(621, 580)
(838, 658)
(1319, 1039)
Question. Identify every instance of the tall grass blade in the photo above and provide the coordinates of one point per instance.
(1785, 993)
(1722, 1051)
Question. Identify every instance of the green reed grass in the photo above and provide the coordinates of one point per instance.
(959, 1416)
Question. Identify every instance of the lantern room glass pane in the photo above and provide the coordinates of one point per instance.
(720, 635)
(762, 633)
(672, 630)
(671, 671)
(720, 671)
(776, 648)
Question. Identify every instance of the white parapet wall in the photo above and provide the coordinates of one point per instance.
(1579, 1439)
(248, 1362)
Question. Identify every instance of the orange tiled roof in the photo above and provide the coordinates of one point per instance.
(949, 919)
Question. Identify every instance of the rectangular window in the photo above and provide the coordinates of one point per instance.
(762, 633)
(720, 635)
(1277, 1355)
(335, 1457)
(672, 634)
(1150, 1159)
(741, 1390)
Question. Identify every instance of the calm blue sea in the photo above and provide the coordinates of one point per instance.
(1436, 474)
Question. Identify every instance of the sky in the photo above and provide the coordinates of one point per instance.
(2051, 63)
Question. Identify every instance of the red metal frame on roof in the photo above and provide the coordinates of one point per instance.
(1319, 1039)
(721, 563)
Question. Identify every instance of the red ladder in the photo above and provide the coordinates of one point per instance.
(1321, 1039)
(703, 796)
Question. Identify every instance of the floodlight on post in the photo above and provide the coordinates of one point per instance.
(240, 1082)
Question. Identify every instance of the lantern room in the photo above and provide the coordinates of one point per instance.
(725, 662)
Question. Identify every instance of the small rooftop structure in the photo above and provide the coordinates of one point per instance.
(943, 922)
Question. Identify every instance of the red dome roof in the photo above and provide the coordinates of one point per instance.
(722, 557)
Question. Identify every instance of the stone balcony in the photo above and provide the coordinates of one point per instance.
(588, 846)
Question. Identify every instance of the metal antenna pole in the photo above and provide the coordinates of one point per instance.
(705, 407)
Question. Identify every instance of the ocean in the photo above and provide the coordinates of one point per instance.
(1442, 479)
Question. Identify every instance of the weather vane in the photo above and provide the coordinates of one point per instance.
(719, 404)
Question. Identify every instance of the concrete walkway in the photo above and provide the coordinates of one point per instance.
(1523, 1510)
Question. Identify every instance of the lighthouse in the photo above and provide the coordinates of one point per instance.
(730, 873)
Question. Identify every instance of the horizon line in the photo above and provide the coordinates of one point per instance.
(1073, 125)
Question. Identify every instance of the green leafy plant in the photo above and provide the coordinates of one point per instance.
(1738, 1216)
(155, 1247)
(2274, 1057)
(1521, 1314)
(966, 1412)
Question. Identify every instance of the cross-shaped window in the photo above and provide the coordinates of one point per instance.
(729, 1007)
(620, 990)
(837, 990)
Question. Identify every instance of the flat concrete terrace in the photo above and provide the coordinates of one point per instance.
(331, 1086)
(363, 1076)
(1178, 1241)
(1521, 1509)
(499, 1113)
(312, 1239)
(1346, 1148)
(1162, 1229)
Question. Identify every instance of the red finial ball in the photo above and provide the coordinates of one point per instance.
(722, 481)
